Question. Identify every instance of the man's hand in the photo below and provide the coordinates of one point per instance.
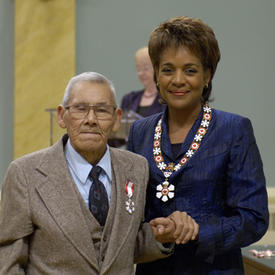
(163, 229)
(179, 227)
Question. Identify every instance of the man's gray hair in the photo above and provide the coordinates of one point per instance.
(92, 77)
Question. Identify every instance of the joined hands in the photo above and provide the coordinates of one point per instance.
(179, 227)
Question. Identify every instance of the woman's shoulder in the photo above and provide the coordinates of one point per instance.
(148, 121)
(224, 115)
(142, 133)
(232, 120)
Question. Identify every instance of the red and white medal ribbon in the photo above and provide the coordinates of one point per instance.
(129, 189)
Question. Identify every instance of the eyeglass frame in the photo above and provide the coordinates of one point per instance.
(89, 109)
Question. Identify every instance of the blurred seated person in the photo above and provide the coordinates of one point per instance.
(144, 102)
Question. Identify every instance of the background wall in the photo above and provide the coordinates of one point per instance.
(44, 54)
(109, 32)
(6, 85)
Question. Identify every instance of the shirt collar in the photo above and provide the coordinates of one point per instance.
(82, 167)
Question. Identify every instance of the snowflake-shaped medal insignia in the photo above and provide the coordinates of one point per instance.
(165, 191)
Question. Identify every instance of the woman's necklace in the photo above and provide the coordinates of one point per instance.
(166, 190)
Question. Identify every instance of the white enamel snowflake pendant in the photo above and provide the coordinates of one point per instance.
(165, 191)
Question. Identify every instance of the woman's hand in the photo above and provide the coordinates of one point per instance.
(179, 227)
(186, 229)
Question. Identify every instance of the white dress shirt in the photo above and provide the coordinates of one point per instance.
(80, 169)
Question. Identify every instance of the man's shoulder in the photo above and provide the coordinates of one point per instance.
(36, 156)
(129, 164)
(33, 156)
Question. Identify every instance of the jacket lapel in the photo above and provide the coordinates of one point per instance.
(59, 195)
(122, 222)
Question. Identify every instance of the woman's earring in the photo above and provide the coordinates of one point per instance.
(157, 85)
(206, 86)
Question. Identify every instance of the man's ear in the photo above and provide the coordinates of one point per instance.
(60, 116)
(118, 116)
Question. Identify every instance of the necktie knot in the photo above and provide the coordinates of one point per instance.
(95, 172)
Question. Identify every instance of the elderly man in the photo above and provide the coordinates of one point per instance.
(77, 207)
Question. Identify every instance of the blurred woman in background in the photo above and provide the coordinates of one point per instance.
(144, 102)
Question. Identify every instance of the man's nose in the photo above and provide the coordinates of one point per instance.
(91, 116)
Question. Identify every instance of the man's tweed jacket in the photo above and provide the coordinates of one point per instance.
(46, 228)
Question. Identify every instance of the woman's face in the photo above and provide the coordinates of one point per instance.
(181, 78)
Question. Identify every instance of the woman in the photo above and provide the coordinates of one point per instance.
(202, 161)
(143, 102)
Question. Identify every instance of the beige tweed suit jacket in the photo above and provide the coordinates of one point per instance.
(43, 229)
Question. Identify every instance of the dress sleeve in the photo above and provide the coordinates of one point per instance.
(15, 222)
(246, 217)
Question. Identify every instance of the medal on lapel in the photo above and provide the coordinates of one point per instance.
(166, 190)
(129, 189)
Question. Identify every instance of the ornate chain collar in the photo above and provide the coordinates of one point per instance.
(166, 190)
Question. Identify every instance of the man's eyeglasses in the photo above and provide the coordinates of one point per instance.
(102, 112)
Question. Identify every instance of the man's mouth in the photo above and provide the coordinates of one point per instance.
(90, 132)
